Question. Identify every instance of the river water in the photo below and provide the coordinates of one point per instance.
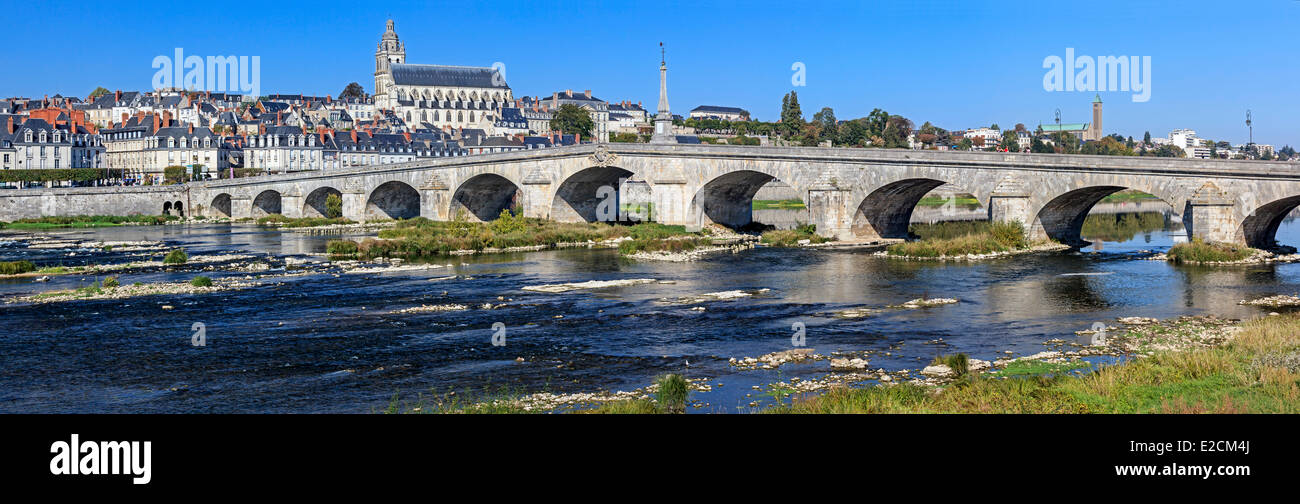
(325, 342)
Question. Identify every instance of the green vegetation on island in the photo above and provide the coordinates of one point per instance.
(959, 238)
(791, 237)
(421, 237)
(279, 220)
(176, 256)
(1198, 251)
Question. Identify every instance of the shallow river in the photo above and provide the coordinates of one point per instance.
(325, 343)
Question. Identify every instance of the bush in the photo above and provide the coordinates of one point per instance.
(16, 267)
(672, 393)
(111, 282)
(333, 206)
(1200, 251)
(176, 256)
(946, 239)
(341, 248)
(201, 281)
(959, 363)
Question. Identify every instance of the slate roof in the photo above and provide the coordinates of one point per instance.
(445, 75)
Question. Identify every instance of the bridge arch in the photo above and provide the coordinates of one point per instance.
(178, 209)
(1260, 227)
(484, 196)
(727, 199)
(167, 208)
(578, 198)
(393, 200)
(1062, 217)
(314, 204)
(887, 210)
(266, 203)
(221, 206)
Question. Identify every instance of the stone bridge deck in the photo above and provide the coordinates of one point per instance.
(850, 193)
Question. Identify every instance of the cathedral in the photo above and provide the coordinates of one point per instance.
(437, 96)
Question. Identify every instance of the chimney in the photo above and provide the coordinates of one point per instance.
(191, 130)
(407, 135)
(354, 136)
(125, 116)
(568, 93)
(155, 122)
(9, 125)
(587, 93)
(117, 96)
(167, 118)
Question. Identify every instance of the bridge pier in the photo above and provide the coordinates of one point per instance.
(670, 204)
(1211, 216)
(354, 205)
(534, 200)
(291, 205)
(831, 210)
(1009, 202)
(432, 201)
(241, 206)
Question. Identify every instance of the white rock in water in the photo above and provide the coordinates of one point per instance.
(937, 370)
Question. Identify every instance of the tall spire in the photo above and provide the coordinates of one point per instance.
(664, 119)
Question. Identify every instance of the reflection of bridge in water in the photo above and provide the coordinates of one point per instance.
(851, 194)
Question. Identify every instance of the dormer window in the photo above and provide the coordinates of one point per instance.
(27, 136)
(42, 137)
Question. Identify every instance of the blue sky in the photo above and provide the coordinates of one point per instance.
(957, 64)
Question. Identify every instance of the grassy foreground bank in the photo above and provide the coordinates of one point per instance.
(421, 237)
(1257, 371)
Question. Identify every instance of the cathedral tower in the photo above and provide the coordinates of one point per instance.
(391, 51)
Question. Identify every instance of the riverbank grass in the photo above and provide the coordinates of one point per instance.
(786, 204)
(278, 220)
(1198, 251)
(87, 221)
(1256, 371)
(959, 238)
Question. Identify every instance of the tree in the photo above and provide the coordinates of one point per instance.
(791, 115)
(1038, 147)
(825, 120)
(1146, 138)
(994, 126)
(876, 122)
(98, 92)
(353, 90)
(1009, 141)
(965, 144)
(852, 133)
(897, 129)
(333, 206)
(571, 119)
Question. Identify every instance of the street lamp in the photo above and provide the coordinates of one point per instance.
(1058, 131)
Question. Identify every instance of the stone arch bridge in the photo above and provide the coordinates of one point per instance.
(851, 194)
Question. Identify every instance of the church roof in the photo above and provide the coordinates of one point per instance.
(444, 75)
